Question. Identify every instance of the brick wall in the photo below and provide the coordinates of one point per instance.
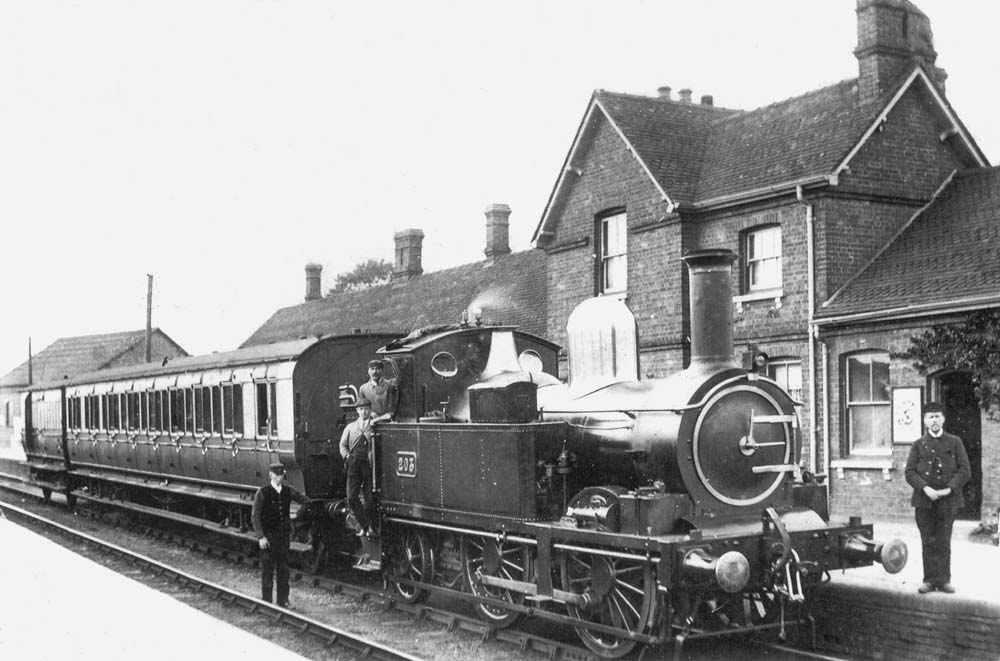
(866, 621)
(611, 177)
(866, 492)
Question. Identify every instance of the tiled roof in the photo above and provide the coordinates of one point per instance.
(792, 139)
(698, 153)
(670, 137)
(70, 356)
(510, 289)
(950, 252)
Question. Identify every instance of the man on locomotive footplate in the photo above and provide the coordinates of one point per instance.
(937, 468)
(271, 524)
(381, 392)
(355, 444)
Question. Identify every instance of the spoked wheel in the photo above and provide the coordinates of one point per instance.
(623, 592)
(411, 558)
(488, 557)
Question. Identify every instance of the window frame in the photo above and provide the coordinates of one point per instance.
(785, 362)
(604, 258)
(850, 405)
(748, 263)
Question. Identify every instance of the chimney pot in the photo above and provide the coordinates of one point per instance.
(409, 246)
(685, 95)
(707, 100)
(663, 92)
(497, 230)
(314, 278)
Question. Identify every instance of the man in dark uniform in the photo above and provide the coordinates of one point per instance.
(381, 392)
(355, 444)
(271, 524)
(937, 468)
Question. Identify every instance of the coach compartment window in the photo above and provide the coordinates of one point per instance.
(176, 411)
(155, 417)
(199, 410)
(189, 410)
(105, 417)
(144, 411)
(217, 409)
(232, 409)
(111, 420)
(267, 424)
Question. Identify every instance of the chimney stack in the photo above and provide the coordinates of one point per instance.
(409, 245)
(893, 36)
(663, 92)
(707, 100)
(497, 232)
(685, 95)
(711, 294)
(314, 289)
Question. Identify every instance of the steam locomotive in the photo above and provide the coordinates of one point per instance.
(638, 512)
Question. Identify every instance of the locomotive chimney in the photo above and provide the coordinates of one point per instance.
(711, 295)
(313, 280)
(409, 245)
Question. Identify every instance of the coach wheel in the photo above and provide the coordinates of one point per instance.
(314, 560)
(499, 559)
(622, 592)
(410, 558)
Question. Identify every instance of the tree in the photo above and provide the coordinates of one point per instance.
(973, 346)
(366, 274)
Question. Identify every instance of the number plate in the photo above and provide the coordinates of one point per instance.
(406, 464)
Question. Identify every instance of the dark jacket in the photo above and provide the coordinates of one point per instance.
(271, 509)
(937, 463)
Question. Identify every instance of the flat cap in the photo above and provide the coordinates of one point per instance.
(376, 362)
(277, 468)
(933, 407)
(362, 401)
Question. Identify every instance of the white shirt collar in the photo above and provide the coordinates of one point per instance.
(277, 486)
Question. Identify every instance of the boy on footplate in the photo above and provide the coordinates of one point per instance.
(271, 524)
(937, 469)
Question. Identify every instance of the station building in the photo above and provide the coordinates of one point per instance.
(854, 210)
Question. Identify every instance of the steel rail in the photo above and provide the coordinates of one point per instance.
(330, 635)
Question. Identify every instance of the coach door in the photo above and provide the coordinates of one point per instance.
(957, 393)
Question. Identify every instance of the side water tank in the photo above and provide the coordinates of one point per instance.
(602, 337)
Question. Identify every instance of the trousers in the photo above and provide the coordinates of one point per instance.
(274, 562)
(935, 524)
(359, 479)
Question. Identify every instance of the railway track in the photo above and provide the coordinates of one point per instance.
(294, 622)
(374, 592)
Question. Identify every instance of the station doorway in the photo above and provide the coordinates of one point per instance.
(957, 393)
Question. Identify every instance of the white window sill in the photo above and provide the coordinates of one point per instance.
(883, 464)
(760, 295)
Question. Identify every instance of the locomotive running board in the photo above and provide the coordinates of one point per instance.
(774, 468)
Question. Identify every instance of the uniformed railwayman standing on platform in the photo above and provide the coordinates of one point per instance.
(937, 469)
(271, 524)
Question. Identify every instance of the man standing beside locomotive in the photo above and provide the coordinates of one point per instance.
(355, 444)
(381, 392)
(937, 468)
(273, 527)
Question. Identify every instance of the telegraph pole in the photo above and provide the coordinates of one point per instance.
(149, 317)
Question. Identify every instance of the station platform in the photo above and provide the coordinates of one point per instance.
(869, 614)
(57, 605)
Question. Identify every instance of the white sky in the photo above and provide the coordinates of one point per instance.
(222, 145)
